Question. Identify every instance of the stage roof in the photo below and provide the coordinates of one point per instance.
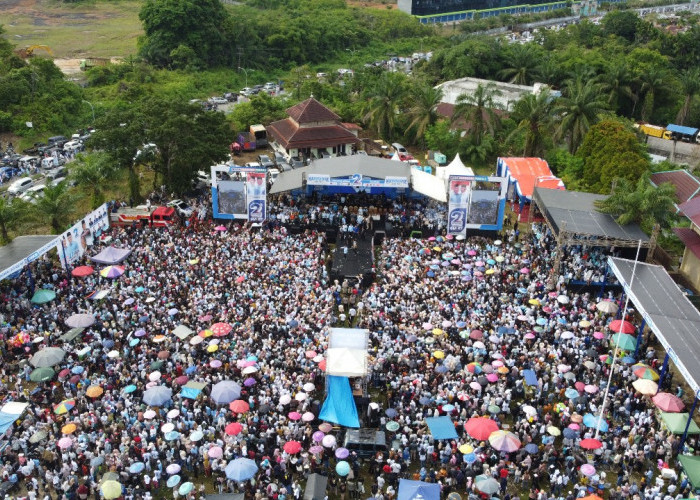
(667, 311)
(14, 256)
(526, 173)
(578, 211)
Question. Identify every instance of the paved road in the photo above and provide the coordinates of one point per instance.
(684, 152)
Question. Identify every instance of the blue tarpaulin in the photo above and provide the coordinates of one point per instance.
(339, 406)
(190, 393)
(678, 129)
(415, 490)
(441, 427)
(530, 378)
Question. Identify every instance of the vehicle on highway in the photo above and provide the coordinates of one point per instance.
(20, 185)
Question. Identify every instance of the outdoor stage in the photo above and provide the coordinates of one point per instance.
(355, 263)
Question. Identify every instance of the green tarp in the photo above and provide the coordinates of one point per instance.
(676, 422)
(691, 466)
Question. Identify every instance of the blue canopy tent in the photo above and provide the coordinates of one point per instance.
(339, 406)
(418, 490)
(441, 428)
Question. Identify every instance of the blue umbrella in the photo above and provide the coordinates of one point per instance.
(441, 369)
(172, 436)
(470, 458)
(430, 274)
(570, 433)
(108, 344)
(490, 262)
(571, 393)
(77, 370)
(226, 391)
(144, 319)
(158, 395)
(137, 467)
(425, 401)
(186, 488)
(531, 448)
(561, 320)
(134, 342)
(241, 469)
(129, 388)
(435, 267)
(541, 321)
(448, 408)
(501, 330)
(251, 357)
(628, 360)
(139, 289)
(590, 420)
(411, 338)
(390, 412)
(461, 324)
(293, 324)
(173, 481)
(522, 290)
(342, 468)
(190, 370)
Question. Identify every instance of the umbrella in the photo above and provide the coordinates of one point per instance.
(316, 449)
(342, 453)
(624, 341)
(325, 427)
(80, 320)
(591, 389)
(646, 372)
(292, 447)
(504, 441)
(392, 426)
(590, 420)
(215, 452)
(158, 395)
(531, 448)
(587, 470)
(221, 329)
(42, 374)
(185, 488)
(480, 428)
(172, 435)
(82, 271)
(137, 467)
(590, 444)
(173, 481)
(563, 299)
(607, 307)
(619, 326)
(112, 271)
(487, 484)
(285, 399)
(571, 393)
(111, 489)
(553, 431)
(307, 417)
(196, 436)
(43, 296)
(69, 428)
(570, 433)
(645, 386)
(48, 356)
(342, 468)
(225, 392)
(239, 406)
(38, 437)
(65, 443)
(94, 391)
(668, 402)
(390, 412)
(129, 389)
(294, 415)
(328, 441)
(241, 469)
(64, 406)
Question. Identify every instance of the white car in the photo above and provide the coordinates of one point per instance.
(33, 193)
(273, 173)
(253, 164)
(20, 185)
(246, 91)
(218, 100)
(203, 178)
(74, 145)
(182, 208)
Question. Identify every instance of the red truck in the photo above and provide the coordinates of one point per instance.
(143, 216)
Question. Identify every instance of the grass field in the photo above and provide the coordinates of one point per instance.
(97, 29)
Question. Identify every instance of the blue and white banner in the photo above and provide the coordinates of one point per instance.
(80, 237)
(459, 195)
(256, 187)
(356, 180)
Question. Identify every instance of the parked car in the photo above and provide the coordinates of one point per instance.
(231, 96)
(7, 173)
(265, 161)
(73, 145)
(57, 141)
(57, 173)
(284, 167)
(246, 91)
(272, 174)
(20, 185)
(218, 100)
(203, 178)
(280, 158)
(296, 163)
(182, 208)
(33, 193)
(253, 164)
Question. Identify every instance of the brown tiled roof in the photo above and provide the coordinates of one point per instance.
(690, 238)
(351, 126)
(311, 111)
(686, 184)
(290, 135)
(691, 209)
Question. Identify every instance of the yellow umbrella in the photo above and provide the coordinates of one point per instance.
(69, 429)
(491, 271)
(111, 489)
(213, 348)
(205, 334)
(194, 261)
(465, 449)
(437, 332)
(439, 354)
(533, 302)
(553, 431)
(159, 338)
(646, 386)
(503, 370)
(94, 391)
(584, 324)
(437, 249)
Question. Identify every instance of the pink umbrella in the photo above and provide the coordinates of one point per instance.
(328, 441)
(591, 389)
(668, 402)
(580, 386)
(428, 326)
(318, 436)
(294, 415)
(240, 279)
(524, 270)
(574, 426)
(475, 385)
(292, 447)
(220, 228)
(446, 324)
(471, 253)
(151, 384)
(504, 441)
(497, 363)
(587, 470)
(172, 469)
(215, 452)
(476, 334)
(215, 363)
(492, 377)
(65, 443)
(563, 368)
(308, 417)
(285, 399)
(529, 336)
(311, 354)
(182, 379)
(598, 335)
(316, 449)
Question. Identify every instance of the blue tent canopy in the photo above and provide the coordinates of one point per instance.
(678, 129)
(339, 406)
(530, 377)
(415, 490)
(190, 393)
(441, 427)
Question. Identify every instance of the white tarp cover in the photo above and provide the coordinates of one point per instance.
(14, 408)
(428, 185)
(456, 167)
(344, 362)
(351, 338)
(182, 332)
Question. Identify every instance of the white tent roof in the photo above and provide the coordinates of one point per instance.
(456, 167)
(14, 407)
(182, 332)
(345, 362)
(351, 338)
(428, 185)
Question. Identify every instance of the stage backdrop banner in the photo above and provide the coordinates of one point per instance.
(81, 235)
(459, 194)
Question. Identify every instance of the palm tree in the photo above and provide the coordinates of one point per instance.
(477, 110)
(55, 207)
(94, 172)
(13, 213)
(653, 81)
(521, 62)
(383, 104)
(640, 203)
(618, 82)
(549, 72)
(690, 81)
(423, 109)
(578, 109)
(533, 113)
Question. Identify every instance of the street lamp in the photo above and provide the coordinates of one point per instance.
(246, 75)
(93, 111)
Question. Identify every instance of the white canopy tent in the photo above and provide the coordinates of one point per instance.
(344, 362)
(428, 185)
(456, 167)
(350, 338)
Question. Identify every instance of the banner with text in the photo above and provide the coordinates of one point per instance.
(356, 180)
(256, 187)
(80, 237)
(459, 194)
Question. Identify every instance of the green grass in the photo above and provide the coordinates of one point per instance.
(72, 31)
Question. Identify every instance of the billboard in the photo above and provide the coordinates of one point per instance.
(239, 192)
(74, 243)
(356, 180)
(476, 202)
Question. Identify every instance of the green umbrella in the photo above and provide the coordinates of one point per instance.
(42, 374)
(156, 365)
(627, 342)
(43, 296)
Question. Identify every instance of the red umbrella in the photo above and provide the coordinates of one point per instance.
(387, 469)
(322, 365)
(181, 380)
(221, 329)
(476, 334)
(590, 444)
(292, 447)
(82, 271)
(239, 406)
(668, 402)
(480, 427)
(627, 327)
(233, 429)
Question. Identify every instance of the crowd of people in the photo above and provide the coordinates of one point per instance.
(455, 323)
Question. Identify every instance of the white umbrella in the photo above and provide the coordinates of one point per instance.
(301, 396)
(607, 307)
(308, 387)
(563, 299)
(249, 369)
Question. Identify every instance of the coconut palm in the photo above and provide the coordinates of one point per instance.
(653, 81)
(521, 63)
(477, 110)
(578, 109)
(533, 113)
(13, 213)
(617, 82)
(56, 206)
(690, 81)
(94, 172)
(640, 203)
(423, 109)
(383, 102)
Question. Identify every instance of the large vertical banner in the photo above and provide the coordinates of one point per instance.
(256, 187)
(459, 194)
(82, 234)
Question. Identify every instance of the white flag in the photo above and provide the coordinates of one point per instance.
(29, 124)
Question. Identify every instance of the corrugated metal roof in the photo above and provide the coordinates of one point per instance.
(686, 184)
